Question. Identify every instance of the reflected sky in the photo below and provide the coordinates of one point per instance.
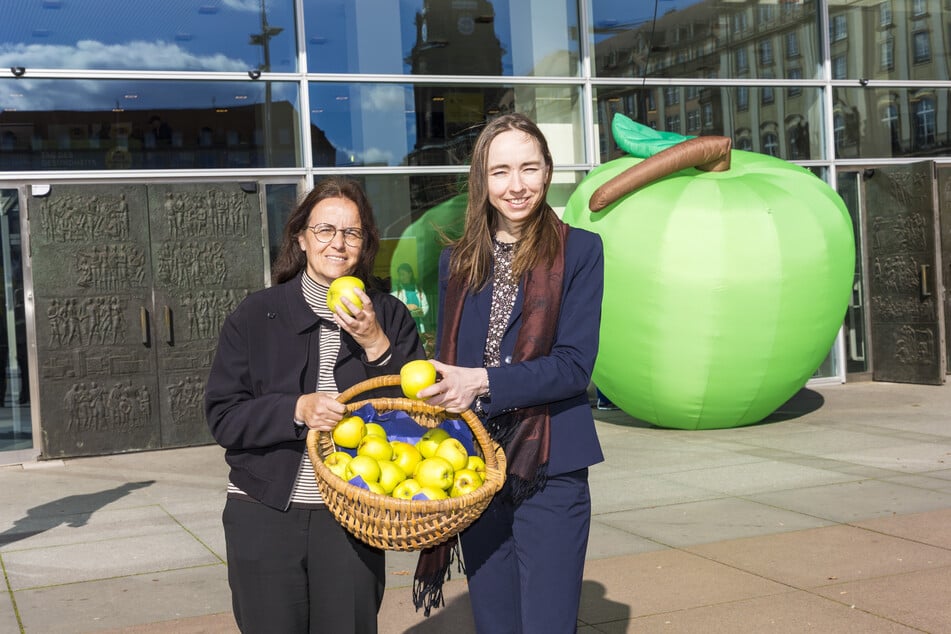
(207, 35)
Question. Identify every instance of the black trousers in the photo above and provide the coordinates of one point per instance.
(299, 572)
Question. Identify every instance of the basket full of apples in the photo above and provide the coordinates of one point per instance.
(399, 492)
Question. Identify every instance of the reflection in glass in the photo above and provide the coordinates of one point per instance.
(15, 422)
(164, 35)
(406, 124)
(776, 121)
(874, 27)
(855, 331)
(705, 39)
(64, 124)
(890, 122)
(436, 37)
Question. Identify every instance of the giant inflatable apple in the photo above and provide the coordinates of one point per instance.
(725, 287)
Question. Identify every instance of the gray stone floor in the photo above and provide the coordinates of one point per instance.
(833, 516)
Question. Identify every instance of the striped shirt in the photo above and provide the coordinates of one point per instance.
(305, 493)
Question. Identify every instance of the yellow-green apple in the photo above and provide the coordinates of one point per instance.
(349, 432)
(430, 440)
(405, 456)
(376, 429)
(337, 463)
(454, 452)
(375, 447)
(406, 489)
(477, 464)
(377, 488)
(344, 287)
(434, 472)
(390, 476)
(364, 466)
(415, 375)
(465, 481)
(430, 493)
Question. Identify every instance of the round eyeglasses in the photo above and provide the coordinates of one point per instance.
(352, 236)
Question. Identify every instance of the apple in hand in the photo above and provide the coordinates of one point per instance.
(434, 472)
(365, 467)
(406, 489)
(344, 287)
(454, 452)
(465, 481)
(375, 447)
(349, 432)
(337, 463)
(390, 476)
(477, 464)
(430, 440)
(415, 375)
(405, 456)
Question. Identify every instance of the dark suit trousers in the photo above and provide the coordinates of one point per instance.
(525, 565)
(299, 572)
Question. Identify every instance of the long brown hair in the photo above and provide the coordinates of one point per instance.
(291, 260)
(472, 253)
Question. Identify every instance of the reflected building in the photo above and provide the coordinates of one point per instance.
(204, 108)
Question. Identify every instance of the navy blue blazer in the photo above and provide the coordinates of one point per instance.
(561, 378)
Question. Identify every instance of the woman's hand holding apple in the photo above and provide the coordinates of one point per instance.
(319, 410)
(362, 324)
(458, 387)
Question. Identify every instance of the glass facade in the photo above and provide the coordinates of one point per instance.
(394, 93)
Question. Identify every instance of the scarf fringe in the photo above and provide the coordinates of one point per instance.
(433, 569)
(519, 489)
(501, 429)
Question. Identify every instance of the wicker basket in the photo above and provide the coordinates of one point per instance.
(393, 523)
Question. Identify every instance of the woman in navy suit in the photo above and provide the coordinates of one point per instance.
(520, 311)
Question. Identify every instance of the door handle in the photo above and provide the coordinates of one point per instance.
(144, 325)
(169, 336)
(923, 280)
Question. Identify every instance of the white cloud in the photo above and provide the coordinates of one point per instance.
(138, 55)
(384, 98)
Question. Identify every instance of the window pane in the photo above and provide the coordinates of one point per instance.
(704, 38)
(406, 124)
(158, 35)
(789, 128)
(902, 37)
(63, 124)
(461, 37)
(892, 122)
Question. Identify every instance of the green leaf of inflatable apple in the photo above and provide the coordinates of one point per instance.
(724, 290)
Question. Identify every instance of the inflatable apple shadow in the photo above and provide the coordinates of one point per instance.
(725, 286)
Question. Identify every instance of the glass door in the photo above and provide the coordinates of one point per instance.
(16, 433)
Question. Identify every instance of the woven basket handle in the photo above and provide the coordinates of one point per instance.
(389, 380)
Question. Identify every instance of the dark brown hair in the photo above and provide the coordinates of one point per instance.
(291, 260)
(472, 253)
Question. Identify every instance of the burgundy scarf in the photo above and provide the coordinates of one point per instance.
(524, 434)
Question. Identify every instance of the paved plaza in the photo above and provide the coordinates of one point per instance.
(832, 516)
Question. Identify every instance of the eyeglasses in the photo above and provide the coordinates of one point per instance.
(352, 236)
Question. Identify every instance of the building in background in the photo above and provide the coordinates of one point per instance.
(148, 159)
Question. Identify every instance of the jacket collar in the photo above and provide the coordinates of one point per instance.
(301, 315)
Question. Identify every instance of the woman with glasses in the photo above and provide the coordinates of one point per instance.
(282, 358)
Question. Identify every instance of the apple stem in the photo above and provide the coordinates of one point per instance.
(706, 153)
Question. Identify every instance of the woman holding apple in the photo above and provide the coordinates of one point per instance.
(283, 356)
(520, 306)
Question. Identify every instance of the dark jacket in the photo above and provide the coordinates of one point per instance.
(561, 378)
(268, 355)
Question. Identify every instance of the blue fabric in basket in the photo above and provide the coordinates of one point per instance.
(400, 426)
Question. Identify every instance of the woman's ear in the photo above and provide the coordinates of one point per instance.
(302, 241)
